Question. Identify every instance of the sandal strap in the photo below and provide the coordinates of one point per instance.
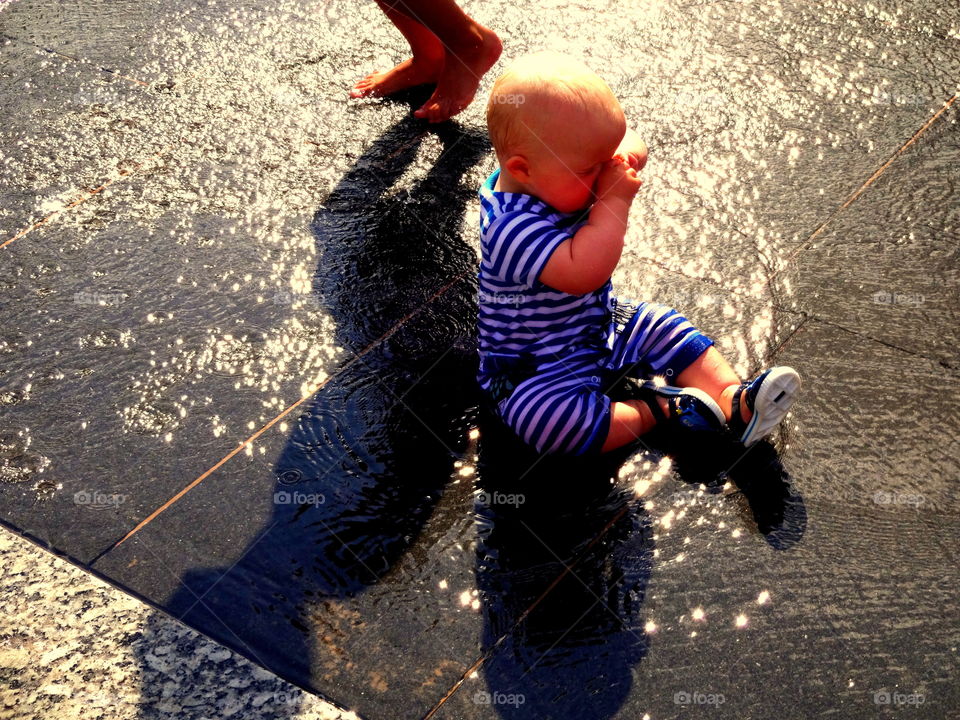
(649, 398)
(736, 422)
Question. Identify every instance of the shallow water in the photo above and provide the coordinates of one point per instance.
(207, 232)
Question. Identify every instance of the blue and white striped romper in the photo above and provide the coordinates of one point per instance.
(544, 354)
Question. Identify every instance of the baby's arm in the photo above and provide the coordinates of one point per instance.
(586, 261)
(633, 149)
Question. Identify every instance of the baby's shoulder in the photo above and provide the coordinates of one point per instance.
(517, 222)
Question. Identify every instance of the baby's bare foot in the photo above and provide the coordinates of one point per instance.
(409, 73)
(462, 69)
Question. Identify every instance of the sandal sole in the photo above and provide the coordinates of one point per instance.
(774, 399)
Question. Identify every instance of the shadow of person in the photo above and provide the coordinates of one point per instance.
(565, 554)
(368, 460)
(770, 497)
(773, 500)
(563, 562)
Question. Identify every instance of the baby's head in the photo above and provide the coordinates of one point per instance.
(553, 123)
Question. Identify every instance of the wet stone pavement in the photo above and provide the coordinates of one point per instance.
(237, 357)
(73, 646)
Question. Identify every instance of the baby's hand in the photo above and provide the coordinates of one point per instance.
(617, 179)
(634, 150)
(636, 158)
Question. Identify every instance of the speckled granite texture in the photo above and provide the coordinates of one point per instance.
(72, 646)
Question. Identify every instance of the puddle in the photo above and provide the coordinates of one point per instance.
(263, 237)
(19, 464)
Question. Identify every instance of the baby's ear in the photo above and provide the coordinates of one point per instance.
(518, 167)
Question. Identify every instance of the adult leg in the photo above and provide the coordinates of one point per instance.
(470, 49)
(424, 67)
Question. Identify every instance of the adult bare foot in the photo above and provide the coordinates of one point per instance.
(409, 73)
(462, 69)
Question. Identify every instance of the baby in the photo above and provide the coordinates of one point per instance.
(552, 337)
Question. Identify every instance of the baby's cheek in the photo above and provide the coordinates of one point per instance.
(584, 199)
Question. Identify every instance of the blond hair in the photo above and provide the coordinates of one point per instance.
(527, 96)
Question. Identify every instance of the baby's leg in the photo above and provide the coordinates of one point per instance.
(562, 409)
(668, 346)
(628, 421)
(657, 342)
(762, 403)
(711, 373)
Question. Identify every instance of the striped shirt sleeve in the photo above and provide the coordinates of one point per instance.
(518, 245)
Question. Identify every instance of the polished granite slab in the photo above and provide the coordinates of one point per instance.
(272, 303)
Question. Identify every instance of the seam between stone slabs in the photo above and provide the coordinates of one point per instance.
(160, 609)
(769, 358)
(263, 534)
(279, 417)
(863, 188)
(740, 295)
(865, 336)
(788, 338)
(51, 51)
(83, 195)
(87, 194)
(568, 569)
(820, 228)
(803, 246)
(199, 598)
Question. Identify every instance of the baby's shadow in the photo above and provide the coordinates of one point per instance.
(757, 474)
(770, 498)
(564, 558)
(563, 561)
